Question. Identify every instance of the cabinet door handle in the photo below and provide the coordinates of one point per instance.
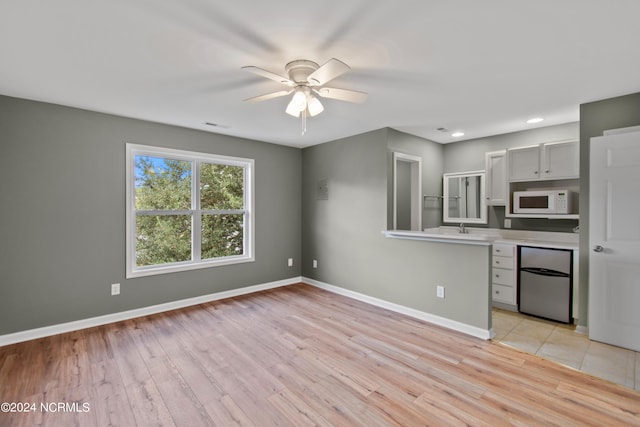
(497, 292)
(535, 172)
(598, 248)
(546, 171)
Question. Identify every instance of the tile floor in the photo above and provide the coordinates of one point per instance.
(560, 343)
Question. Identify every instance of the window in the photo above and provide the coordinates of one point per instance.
(187, 210)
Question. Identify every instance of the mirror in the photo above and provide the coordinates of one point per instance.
(407, 192)
(464, 199)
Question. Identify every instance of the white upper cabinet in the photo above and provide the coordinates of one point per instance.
(524, 163)
(552, 160)
(496, 178)
(560, 160)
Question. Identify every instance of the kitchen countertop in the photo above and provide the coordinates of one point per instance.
(466, 239)
(487, 236)
(541, 243)
(539, 239)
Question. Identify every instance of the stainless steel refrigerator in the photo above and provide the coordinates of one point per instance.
(545, 288)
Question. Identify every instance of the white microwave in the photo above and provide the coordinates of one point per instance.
(543, 202)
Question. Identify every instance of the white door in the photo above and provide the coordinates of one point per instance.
(614, 229)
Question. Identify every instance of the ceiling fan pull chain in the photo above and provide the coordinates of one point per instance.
(304, 121)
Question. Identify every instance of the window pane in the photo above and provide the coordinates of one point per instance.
(221, 186)
(162, 183)
(162, 239)
(222, 235)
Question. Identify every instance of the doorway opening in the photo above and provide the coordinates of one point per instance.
(407, 192)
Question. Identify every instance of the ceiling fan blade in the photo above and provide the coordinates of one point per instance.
(269, 75)
(341, 94)
(268, 96)
(327, 72)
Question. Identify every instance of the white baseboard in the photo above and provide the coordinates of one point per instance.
(61, 328)
(431, 318)
(46, 331)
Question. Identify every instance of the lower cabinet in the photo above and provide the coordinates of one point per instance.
(503, 277)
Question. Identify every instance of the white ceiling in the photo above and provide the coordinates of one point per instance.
(482, 67)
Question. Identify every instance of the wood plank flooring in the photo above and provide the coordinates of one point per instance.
(295, 356)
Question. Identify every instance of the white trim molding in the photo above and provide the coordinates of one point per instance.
(61, 328)
(427, 317)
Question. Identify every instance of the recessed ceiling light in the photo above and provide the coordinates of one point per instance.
(457, 134)
(535, 120)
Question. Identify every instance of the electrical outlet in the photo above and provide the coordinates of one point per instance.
(507, 223)
(290, 262)
(440, 291)
(115, 289)
(315, 263)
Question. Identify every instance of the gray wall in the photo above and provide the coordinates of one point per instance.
(596, 117)
(469, 156)
(344, 233)
(62, 221)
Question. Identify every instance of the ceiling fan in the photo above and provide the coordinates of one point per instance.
(304, 79)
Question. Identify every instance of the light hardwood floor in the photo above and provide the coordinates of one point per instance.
(296, 356)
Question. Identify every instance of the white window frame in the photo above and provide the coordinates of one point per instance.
(248, 255)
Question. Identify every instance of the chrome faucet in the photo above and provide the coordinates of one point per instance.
(462, 229)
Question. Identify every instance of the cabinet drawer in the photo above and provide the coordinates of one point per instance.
(503, 250)
(503, 294)
(502, 276)
(502, 262)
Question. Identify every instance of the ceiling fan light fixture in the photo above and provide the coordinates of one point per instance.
(292, 109)
(314, 105)
(297, 104)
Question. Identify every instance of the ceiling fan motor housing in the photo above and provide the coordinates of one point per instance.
(299, 70)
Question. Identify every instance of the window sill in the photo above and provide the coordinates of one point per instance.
(177, 267)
